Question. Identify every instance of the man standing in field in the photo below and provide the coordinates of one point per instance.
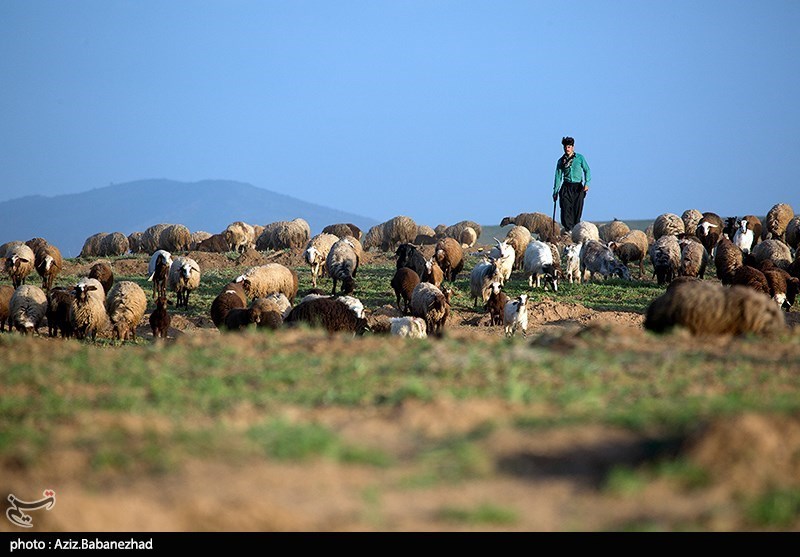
(571, 183)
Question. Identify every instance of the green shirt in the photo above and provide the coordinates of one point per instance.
(578, 172)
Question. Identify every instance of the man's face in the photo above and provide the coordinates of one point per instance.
(569, 149)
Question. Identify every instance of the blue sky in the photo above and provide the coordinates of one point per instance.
(439, 110)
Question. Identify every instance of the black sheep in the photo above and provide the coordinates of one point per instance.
(329, 313)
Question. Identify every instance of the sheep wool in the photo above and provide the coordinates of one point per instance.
(87, 314)
(408, 326)
(125, 304)
(183, 278)
(263, 280)
(27, 308)
(19, 263)
(431, 304)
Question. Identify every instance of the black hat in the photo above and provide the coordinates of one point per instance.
(567, 141)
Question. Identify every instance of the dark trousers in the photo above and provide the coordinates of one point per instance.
(571, 197)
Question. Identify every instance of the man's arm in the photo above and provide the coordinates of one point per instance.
(587, 174)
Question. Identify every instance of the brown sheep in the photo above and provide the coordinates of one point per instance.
(403, 283)
(216, 243)
(59, 300)
(775, 250)
(160, 318)
(727, 259)
(709, 231)
(667, 224)
(537, 223)
(329, 313)
(19, 263)
(783, 287)
(632, 247)
(48, 264)
(101, 271)
(223, 303)
(613, 231)
(6, 292)
(778, 219)
(691, 218)
(450, 256)
(752, 278)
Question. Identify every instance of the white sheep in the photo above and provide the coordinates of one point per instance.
(540, 264)
(27, 308)
(504, 256)
(125, 305)
(316, 253)
(184, 276)
(572, 253)
(408, 326)
(19, 263)
(515, 316)
(240, 236)
(87, 314)
(263, 280)
(584, 231)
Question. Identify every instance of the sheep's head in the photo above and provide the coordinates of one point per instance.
(348, 285)
(506, 221)
(743, 225)
(621, 271)
(311, 255)
(82, 290)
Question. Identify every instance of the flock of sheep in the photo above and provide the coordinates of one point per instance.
(754, 261)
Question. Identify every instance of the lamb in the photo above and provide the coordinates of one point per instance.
(316, 253)
(783, 287)
(19, 263)
(743, 236)
(450, 257)
(433, 273)
(263, 280)
(539, 263)
(518, 238)
(216, 243)
(709, 231)
(114, 244)
(59, 300)
(343, 229)
(27, 308)
(481, 278)
(261, 313)
(727, 259)
(431, 304)
(538, 223)
(776, 251)
(342, 265)
(665, 255)
(632, 247)
(183, 278)
(160, 319)
(292, 235)
(6, 292)
(403, 283)
(239, 236)
(694, 259)
(667, 224)
(503, 255)
(584, 231)
(573, 257)
(691, 218)
(496, 304)
(613, 231)
(125, 305)
(330, 313)
(706, 308)
(752, 278)
(409, 256)
(597, 258)
(48, 263)
(158, 271)
(87, 314)
(515, 316)
(778, 219)
(101, 271)
(408, 326)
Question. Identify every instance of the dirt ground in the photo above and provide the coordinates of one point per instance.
(550, 480)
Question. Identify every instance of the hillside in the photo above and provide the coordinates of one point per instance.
(210, 205)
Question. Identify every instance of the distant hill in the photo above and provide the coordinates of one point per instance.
(210, 205)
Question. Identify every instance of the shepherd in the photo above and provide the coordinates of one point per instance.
(571, 184)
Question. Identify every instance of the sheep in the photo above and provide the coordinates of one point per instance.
(293, 235)
(667, 224)
(8, 246)
(48, 263)
(342, 265)
(158, 271)
(329, 313)
(91, 247)
(665, 255)
(125, 304)
(343, 229)
(597, 258)
(431, 304)
(426, 236)
(743, 236)
(793, 233)
(263, 280)
(503, 255)
(240, 236)
(408, 326)
(160, 318)
(632, 247)
(351, 302)
(183, 277)
(572, 253)
(101, 270)
(114, 244)
(778, 219)
(403, 283)
(197, 237)
(540, 264)
(356, 246)
(27, 308)
(151, 237)
(468, 237)
(727, 259)
(59, 300)
(135, 242)
(87, 314)
(496, 304)
(481, 278)
(709, 231)
(316, 253)
(776, 251)
(433, 273)
(694, 259)
(6, 292)
(278, 302)
(515, 316)
(399, 230)
(456, 230)
(19, 263)
(538, 223)
(265, 239)
(375, 238)
(751, 277)
(691, 218)
(783, 287)
(175, 237)
(584, 231)
(216, 243)
(409, 256)
(518, 238)
(36, 243)
(260, 313)
(706, 308)
(450, 256)
(613, 231)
